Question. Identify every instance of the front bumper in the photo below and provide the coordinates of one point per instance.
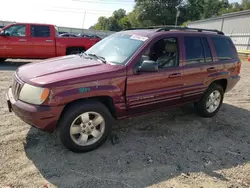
(41, 117)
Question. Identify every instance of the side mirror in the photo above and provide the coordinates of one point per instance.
(2, 33)
(148, 66)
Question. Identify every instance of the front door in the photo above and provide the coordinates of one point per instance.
(147, 91)
(17, 43)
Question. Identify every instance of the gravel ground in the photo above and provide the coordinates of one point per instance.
(174, 148)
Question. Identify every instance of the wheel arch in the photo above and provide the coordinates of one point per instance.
(222, 82)
(107, 101)
(74, 48)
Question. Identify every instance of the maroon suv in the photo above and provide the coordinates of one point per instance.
(129, 73)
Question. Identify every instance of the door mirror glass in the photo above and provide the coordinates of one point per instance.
(148, 66)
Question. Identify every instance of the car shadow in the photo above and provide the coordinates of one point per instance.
(12, 65)
(148, 150)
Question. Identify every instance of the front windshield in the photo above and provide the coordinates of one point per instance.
(117, 48)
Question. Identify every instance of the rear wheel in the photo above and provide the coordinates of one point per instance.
(85, 126)
(211, 101)
(71, 51)
(74, 52)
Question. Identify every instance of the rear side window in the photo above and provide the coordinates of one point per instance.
(224, 48)
(40, 31)
(194, 50)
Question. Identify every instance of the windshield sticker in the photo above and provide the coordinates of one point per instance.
(136, 37)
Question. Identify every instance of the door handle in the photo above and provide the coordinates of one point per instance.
(49, 40)
(22, 40)
(211, 69)
(174, 75)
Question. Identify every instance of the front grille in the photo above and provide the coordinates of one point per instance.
(16, 87)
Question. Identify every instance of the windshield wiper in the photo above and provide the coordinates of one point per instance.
(98, 57)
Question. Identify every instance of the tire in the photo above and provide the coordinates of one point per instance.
(201, 106)
(86, 108)
(75, 51)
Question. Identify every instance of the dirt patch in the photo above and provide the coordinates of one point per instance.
(174, 148)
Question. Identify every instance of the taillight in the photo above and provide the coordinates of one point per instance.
(238, 67)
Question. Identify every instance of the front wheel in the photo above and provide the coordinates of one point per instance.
(211, 101)
(84, 126)
(2, 59)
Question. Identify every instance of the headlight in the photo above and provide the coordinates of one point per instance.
(33, 95)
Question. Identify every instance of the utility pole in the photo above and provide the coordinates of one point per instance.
(164, 22)
(177, 15)
(84, 15)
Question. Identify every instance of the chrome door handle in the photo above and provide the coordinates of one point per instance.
(211, 69)
(49, 40)
(175, 75)
(22, 40)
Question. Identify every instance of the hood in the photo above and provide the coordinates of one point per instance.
(61, 68)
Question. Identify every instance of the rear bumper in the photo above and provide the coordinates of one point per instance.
(231, 82)
(41, 117)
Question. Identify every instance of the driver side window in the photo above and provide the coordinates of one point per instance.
(164, 52)
(16, 31)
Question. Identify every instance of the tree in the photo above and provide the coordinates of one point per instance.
(102, 23)
(163, 12)
(213, 7)
(157, 12)
(124, 23)
(119, 14)
(133, 18)
(195, 9)
(113, 24)
(116, 22)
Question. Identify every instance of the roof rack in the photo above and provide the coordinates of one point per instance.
(190, 29)
(138, 28)
(168, 28)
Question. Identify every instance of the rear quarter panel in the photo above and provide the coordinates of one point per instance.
(226, 69)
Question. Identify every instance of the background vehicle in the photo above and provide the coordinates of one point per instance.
(89, 36)
(126, 74)
(68, 35)
(27, 40)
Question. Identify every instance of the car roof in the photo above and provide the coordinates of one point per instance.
(23, 23)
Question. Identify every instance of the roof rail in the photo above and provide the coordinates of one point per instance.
(151, 27)
(168, 28)
(189, 29)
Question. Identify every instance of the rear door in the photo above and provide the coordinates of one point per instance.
(198, 62)
(43, 41)
(18, 45)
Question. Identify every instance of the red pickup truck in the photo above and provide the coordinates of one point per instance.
(28, 40)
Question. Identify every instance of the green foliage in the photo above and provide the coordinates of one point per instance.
(116, 22)
(163, 12)
(185, 24)
(124, 23)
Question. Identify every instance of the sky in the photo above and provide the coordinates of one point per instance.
(69, 13)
